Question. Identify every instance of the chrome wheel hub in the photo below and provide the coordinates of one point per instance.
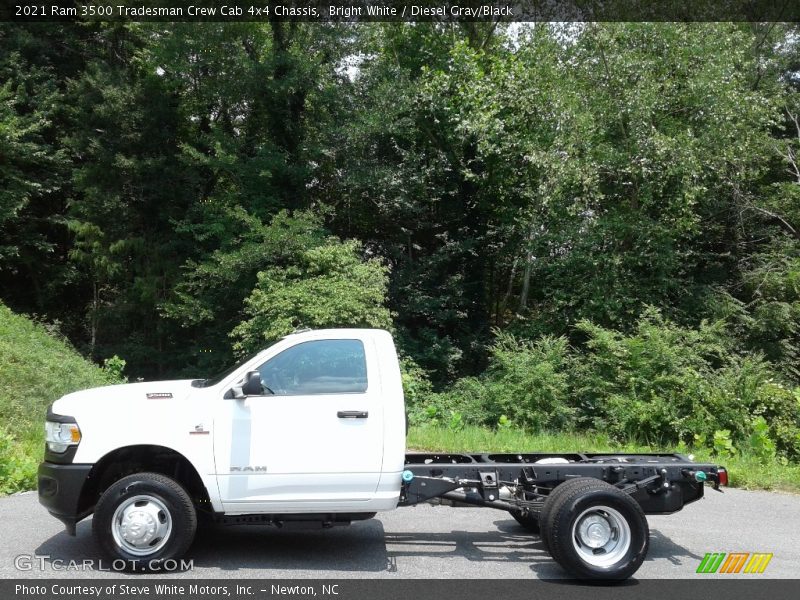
(594, 531)
(601, 536)
(141, 525)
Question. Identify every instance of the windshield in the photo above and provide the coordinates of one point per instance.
(221, 375)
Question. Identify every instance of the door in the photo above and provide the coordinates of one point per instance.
(313, 440)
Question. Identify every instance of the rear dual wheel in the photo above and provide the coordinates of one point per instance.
(594, 530)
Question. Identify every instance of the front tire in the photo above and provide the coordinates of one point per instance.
(595, 531)
(144, 519)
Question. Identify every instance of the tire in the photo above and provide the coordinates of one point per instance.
(529, 522)
(594, 530)
(552, 499)
(144, 520)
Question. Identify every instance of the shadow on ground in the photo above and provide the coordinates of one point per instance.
(357, 548)
(662, 547)
(361, 548)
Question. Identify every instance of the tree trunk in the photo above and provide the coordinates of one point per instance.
(526, 282)
(93, 320)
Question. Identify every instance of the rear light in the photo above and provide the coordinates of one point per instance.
(722, 475)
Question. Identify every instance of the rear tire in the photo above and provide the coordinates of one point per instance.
(144, 519)
(551, 500)
(594, 530)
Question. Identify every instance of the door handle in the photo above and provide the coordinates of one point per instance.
(352, 414)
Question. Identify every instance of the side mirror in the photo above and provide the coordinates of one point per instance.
(252, 385)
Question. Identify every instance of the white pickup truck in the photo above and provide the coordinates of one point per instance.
(313, 429)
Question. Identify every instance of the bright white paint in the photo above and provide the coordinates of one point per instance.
(315, 461)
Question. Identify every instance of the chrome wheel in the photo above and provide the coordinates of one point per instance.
(601, 536)
(141, 525)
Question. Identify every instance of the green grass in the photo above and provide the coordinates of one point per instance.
(745, 471)
(36, 368)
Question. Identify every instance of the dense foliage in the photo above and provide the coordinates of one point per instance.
(661, 384)
(36, 368)
(566, 226)
(329, 286)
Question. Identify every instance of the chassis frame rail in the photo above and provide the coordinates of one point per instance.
(660, 483)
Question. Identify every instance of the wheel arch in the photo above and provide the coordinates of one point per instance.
(128, 460)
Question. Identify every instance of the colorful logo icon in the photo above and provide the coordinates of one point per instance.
(734, 562)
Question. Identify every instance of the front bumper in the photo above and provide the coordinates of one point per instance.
(60, 489)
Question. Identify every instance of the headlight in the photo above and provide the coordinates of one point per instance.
(60, 436)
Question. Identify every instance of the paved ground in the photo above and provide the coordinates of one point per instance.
(426, 542)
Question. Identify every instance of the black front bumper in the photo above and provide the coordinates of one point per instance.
(60, 491)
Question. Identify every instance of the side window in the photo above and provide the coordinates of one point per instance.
(318, 367)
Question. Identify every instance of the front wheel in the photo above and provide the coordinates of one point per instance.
(144, 520)
(596, 531)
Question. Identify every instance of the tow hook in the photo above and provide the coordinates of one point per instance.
(660, 480)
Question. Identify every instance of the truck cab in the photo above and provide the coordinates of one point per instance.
(314, 425)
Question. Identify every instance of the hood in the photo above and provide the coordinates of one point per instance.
(110, 396)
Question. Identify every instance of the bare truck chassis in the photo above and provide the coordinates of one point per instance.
(588, 508)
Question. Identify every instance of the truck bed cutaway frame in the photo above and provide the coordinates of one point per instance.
(660, 483)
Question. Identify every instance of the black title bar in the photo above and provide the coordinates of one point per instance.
(396, 11)
(141, 588)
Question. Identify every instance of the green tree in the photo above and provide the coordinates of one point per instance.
(34, 167)
(330, 285)
(406, 177)
(209, 298)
